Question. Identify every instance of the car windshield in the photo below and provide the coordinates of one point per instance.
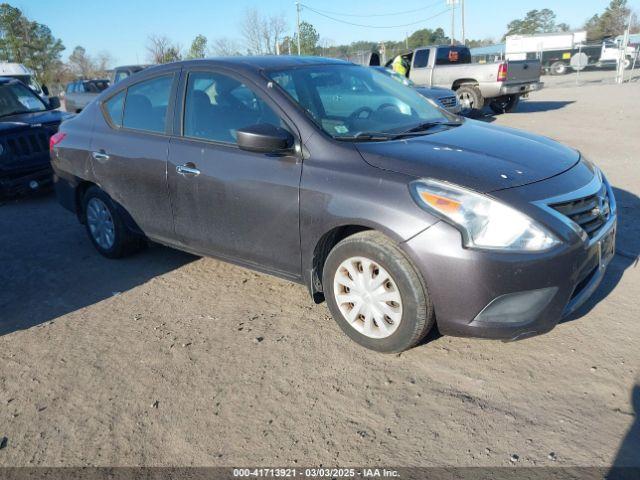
(16, 98)
(398, 77)
(348, 100)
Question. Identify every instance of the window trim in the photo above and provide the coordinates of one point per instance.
(428, 50)
(181, 108)
(168, 127)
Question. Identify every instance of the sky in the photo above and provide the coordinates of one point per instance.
(122, 27)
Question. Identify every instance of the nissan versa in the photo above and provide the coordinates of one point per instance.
(336, 176)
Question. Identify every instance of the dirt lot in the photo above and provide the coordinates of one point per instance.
(169, 359)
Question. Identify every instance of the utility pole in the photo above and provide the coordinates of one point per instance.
(462, 14)
(298, 12)
(453, 20)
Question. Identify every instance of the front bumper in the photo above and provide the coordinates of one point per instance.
(521, 89)
(501, 295)
(14, 184)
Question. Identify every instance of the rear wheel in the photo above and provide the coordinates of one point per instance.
(375, 294)
(105, 226)
(504, 104)
(470, 99)
(558, 68)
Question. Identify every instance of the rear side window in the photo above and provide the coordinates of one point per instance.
(145, 107)
(421, 59)
(453, 55)
(113, 107)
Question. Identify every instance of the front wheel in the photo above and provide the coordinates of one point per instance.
(504, 104)
(470, 99)
(375, 294)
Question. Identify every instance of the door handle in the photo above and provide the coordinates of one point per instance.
(100, 156)
(188, 169)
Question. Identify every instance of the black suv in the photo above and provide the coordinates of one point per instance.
(26, 124)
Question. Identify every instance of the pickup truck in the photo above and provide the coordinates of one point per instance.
(500, 85)
(78, 94)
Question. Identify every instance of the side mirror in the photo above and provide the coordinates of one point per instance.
(54, 102)
(264, 138)
(45, 90)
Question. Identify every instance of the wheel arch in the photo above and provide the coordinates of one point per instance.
(464, 81)
(325, 244)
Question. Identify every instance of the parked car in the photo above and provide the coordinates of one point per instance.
(78, 94)
(500, 85)
(26, 124)
(25, 75)
(441, 97)
(396, 212)
(120, 73)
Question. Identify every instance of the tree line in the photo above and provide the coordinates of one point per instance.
(34, 45)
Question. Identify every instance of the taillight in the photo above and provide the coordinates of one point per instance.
(502, 72)
(55, 139)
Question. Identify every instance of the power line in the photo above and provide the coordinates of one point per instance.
(376, 26)
(375, 14)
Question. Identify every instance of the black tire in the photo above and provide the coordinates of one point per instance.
(504, 104)
(417, 311)
(124, 243)
(628, 63)
(558, 68)
(470, 99)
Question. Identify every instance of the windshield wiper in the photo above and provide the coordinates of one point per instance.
(372, 136)
(428, 125)
(379, 136)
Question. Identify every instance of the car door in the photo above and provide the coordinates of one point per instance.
(421, 68)
(130, 145)
(229, 202)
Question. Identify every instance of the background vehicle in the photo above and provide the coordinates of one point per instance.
(120, 73)
(26, 124)
(25, 75)
(499, 84)
(79, 93)
(555, 50)
(442, 97)
(401, 211)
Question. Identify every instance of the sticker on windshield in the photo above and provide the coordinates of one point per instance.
(341, 129)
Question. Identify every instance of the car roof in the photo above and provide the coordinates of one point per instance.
(4, 80)
(255, 63)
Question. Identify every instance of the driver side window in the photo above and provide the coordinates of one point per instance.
(217, 105)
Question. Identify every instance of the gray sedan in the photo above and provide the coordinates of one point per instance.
(397, 213)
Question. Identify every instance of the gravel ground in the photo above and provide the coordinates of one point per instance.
(169, 359)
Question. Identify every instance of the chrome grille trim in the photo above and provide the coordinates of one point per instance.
(593, 187)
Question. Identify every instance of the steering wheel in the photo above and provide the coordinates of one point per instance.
(357, 114)
(384, 106)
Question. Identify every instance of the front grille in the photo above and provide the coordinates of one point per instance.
(448, 102)
(26, 145)
(591, 212)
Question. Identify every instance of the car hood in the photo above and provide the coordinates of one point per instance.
(435, 92)
(475, 155)
(27, 120)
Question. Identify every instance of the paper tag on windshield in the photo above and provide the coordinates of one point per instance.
(341, 129)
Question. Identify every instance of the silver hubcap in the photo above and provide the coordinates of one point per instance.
(100, 223)
(367, 297)
(466, 101)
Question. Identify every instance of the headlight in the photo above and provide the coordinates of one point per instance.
(483, 221)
